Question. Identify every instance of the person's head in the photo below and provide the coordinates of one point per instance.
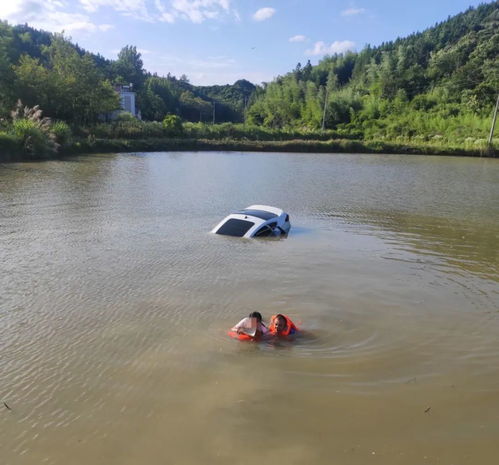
(279, 323)
(257, 316)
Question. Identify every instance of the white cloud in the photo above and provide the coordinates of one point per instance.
(118, 5)
(134, 8)
(321, 48)
(165, 16)
(196, 11)
(264, 13)
(298, 38)
(353, 11)
(44, 13)
(197, 63)
(20, 11)
(201, 70)
(48, 15)
(106, 27)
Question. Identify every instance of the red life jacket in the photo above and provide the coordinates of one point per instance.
(240, 336)
(288, 330)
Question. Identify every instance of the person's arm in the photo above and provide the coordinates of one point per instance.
(237, 327)
(246, 326)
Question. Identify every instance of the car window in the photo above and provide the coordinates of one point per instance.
(235, 227)
(264, 231)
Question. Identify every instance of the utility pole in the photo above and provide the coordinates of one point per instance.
(214, 111)
(324, 112)
(493, 122)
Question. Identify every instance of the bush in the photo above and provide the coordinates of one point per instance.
(62, 133)
(125, 116)
(127, 130)
(252, 132)
(173, 125)
(33, 131)
(9, 145)
(33, 140)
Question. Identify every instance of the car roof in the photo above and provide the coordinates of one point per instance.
(245, 215)
(266, 208)
(262, 214)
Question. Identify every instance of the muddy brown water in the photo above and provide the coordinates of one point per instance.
(115, 300)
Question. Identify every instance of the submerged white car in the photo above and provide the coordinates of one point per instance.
(254, 221)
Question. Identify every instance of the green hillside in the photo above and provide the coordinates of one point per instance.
(73, 85)
(440, 83)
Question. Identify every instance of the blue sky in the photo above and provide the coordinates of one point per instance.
(220, 41)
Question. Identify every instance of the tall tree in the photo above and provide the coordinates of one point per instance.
(129, 67)
(70, 88)
(6, 74)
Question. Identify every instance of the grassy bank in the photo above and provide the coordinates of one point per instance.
(13, 152)
(29, 136)
(297, 145)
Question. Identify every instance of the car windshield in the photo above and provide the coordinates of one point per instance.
(235, 227)
(264, 215)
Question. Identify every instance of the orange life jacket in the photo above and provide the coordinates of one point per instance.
(288, 330)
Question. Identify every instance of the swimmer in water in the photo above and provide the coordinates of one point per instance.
(252, 325)
(281, 325)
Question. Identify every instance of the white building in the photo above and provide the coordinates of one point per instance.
(127, 99)
(127, 103)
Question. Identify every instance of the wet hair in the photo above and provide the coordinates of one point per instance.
(256, 315)
(279, 316)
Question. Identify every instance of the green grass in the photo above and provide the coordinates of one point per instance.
(306, 146)
(11, 146)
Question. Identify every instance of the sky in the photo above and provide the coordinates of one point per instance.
(221, 41)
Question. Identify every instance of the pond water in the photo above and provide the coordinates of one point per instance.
(115, 301)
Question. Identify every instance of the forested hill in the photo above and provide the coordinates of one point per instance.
(443, 76)
(75, 86)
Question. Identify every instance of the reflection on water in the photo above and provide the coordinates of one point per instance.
(462, 245)
(115, 303)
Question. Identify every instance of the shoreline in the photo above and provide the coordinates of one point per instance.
(295, 145)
